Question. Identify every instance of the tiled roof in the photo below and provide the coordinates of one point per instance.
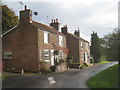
(46, 28)
(77, 37)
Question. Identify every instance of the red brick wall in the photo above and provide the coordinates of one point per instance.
(22, 41)
(52, 39)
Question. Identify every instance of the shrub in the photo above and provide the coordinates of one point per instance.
(44, 67)
(53, 68)
(83, 66)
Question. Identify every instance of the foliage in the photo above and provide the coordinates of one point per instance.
(9, 19)
(44, 67)
(53, 68)
(83, 66)
(95, 47)
(110, 45)
(105, 79)
(56, 52)
(102, 62)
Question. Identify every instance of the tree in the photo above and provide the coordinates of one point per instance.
(9, 19)
(95, 47)
(111, 45)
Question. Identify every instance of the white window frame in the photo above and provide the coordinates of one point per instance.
(82, 45)
(83, 56)
(61, 54)
(46, 37)
(87, 45)
(46, 55)
(60, 40)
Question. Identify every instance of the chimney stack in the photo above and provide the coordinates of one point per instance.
(25, 7)
(25, 16)
(77, 33)
(64, 29)
(55, 24)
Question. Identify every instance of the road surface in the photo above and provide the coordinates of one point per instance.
(74, 78)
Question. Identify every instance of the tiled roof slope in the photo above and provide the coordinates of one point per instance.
(46, 27)
(75, 36)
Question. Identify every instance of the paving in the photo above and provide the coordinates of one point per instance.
(74, 78)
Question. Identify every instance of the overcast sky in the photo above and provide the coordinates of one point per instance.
(98, 15)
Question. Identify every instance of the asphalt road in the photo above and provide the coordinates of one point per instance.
(74, 78)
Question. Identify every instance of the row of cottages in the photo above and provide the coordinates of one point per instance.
(30, 44)
(79, 48)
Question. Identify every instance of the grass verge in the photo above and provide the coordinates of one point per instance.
(103, 62)
(105, 79)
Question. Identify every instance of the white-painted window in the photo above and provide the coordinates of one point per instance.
(46, 37)
(81, 45)
(7, 55)
(86, 57)
(87, 45)
(61, 54)
(60, 40)
(82, 56)
(46, 55)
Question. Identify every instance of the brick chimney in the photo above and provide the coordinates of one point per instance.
(25, 16)
(64, 29)
(55, 24)
(77, 32)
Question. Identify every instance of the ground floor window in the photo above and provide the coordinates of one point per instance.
(8, 55)
(46, 55)
(61, 54)
(82, 56)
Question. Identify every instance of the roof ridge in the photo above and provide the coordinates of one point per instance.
(78, 37)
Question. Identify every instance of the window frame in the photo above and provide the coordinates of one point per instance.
(46, 36)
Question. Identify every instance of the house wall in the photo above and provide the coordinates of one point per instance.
(22, 42)
(73, 46)
(53, 38)
(84, 50)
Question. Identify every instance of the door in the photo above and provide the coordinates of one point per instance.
(52, 57)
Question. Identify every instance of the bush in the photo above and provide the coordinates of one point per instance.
(53, 68)
(83, 66)
(44, 68)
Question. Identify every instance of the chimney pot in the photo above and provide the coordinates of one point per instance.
(54, 20)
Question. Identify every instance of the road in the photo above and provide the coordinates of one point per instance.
(74, 78)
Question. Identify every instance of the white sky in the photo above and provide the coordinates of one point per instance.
(98, 15)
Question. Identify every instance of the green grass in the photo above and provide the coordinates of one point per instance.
(105, 79)
(103, 62)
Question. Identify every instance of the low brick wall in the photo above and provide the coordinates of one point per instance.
(61, 67)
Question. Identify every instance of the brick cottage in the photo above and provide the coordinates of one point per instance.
(79, 48)
(28, 44)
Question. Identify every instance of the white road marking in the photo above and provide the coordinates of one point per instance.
(51, 80)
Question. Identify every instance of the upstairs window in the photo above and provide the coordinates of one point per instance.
(46, 37)
(60, 40)
(81, 45)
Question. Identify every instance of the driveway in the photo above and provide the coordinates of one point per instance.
(74, 78)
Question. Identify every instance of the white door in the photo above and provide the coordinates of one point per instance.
(52, 57)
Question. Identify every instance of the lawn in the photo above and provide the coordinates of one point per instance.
(105, 79)
(103, 62)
